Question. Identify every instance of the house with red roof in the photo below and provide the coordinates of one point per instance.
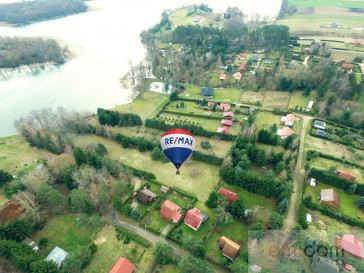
(358, 43)
(237, 76)
(346, 175)
(230, 195)
(243, 67)
(288, 120)
(9, 212)
(210, 104)
(122, 265)
(242, 56)
(285, 132)
(348, 267)
(224, 106)
(226, 122)
(194, 218)
(348, 67)
(223, 130)
(351, 245)
(170, 211)
(228, 115)
(223, 77)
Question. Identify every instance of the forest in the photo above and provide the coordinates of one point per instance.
(17, 51)
(26, 12)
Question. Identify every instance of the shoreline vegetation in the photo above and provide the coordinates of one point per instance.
(28, 12)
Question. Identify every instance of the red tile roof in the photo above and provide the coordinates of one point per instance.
(286, 131)
(228, 114)
(224, 106)
(193, 218)
(348, 267)
(122, 265)
(229, 248)
(230, 195)
(169, 209)
(227, 122)
(223, 76)
(351, 245)
(237, 76)
(290, 117)
(210, 103)
(223, 130)
(243, 56)
(10, 212)
(346, 175)
(347, 66)
(176, 217)
(243, 67)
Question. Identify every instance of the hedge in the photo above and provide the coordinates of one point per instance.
(191, 115)
(208, 158)
(334, 159)
(302, 216)
(334, 180)
(175, 226)
(139, 240)
(332, 213)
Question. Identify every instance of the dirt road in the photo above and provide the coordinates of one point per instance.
(291, 220)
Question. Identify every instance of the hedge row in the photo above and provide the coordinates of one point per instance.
(302, 216)
(332, 213)
(333, 180)
(191, 115)
(194, 129)
(139, 240)
(175, 226)
(309, 153)
(208, 158)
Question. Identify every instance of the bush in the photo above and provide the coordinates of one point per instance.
(206, 145)
(43, 242)
(93, 248)
(113, 118)
(4, 177)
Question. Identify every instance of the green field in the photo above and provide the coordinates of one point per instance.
(168, 268)
(297, 99)
(179, 200)
(328, 3)
(196, 177)
(109, 249)
(179, 17)
(264, 120)
(347, 206)
(62, 231)
(192, 108)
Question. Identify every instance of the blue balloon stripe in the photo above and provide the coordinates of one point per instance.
(177, 155)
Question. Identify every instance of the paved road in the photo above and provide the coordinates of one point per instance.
(292, 216)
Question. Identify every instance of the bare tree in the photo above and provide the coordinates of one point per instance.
(29, 205)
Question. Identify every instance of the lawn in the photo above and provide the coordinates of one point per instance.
(237, 232)
(196, 177)
(347, 206)
(264, 120)
(328, 3)
(157, 222)
(192, 108)
(276, 99)
(62, 231)
(297, 99)
(327, 163)
(17, 155)
(178, 199)
(146, 106)
(168, 268)
(109, 249)
(227, 95)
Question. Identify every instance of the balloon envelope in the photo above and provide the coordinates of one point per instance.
(177, 145)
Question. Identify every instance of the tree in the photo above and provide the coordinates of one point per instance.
(142, 145)
(213, 200)
(276, 220)
(244, 162)
(256, 231)
(80, 156)
(360, 202)
(182, 104)
(43, 242)
(29, 205)
(237, 208)
(41, 266)
(50, 198)
(125, 143)
(117, 203)
(352, 189)
(77, 259)
(156, 153)
(238, 266)
(78, 201)
(282, 206)
(307, 91)
(173, 96)
(4, 177)
(135, 214)
(281, 166)
(288, 266)
(238, 174)
(15, 231)
(104, 196)
(67, 172)
(163, 253)
(190, 264)
(358, 59)
(223, 217)
(195, 246)
(260, 159)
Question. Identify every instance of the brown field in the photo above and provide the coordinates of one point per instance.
(276, 99)
(347, 55)
(251, 96)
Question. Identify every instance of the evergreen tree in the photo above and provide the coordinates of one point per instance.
(80, 156)
(213, 200)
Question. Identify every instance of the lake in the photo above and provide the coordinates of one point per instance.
(108, 38)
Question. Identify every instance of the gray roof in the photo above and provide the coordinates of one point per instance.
(58, 255)
(205, 217)
(323, 265)
(319, 123)
(207, 92)
(320, 132)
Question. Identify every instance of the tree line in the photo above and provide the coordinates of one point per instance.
(29, 11)
(17, 51)
(114, 118)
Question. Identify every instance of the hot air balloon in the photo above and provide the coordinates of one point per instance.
(177, 145)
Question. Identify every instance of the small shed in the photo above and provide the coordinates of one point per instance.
(255, 58)
(312, 182)
(164, 189)
(320, 132)
(58, 256)
(309, 218)
(319, 124)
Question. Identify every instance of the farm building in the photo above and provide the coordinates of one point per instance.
(146, 196)
(228, 115)
(288, 120)
(230, 195)
(351, 245)
(285, 132)
(193, 218)
(122, 265)
(58, 256)
(225, 106)
(255, 58)
(322, 264)
(237, 76)
(28, 241)
(243, 67)
(223, 130)
(348, 67)
(10, 212)
(170, 211)
(346, 175)
(226, 122)
(207, 92)
(330, 198)
(320, 132)
(242, 56)
(319, 124)
(210, 104)
(223, 77)
(358, 43)
(229, 248)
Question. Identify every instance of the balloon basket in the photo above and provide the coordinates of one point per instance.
(177, 172)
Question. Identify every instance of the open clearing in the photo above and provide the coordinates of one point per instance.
(252, 97)
(196, 177)
(297, 99)
(111, 249)
(276, 99)
(264, 120)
